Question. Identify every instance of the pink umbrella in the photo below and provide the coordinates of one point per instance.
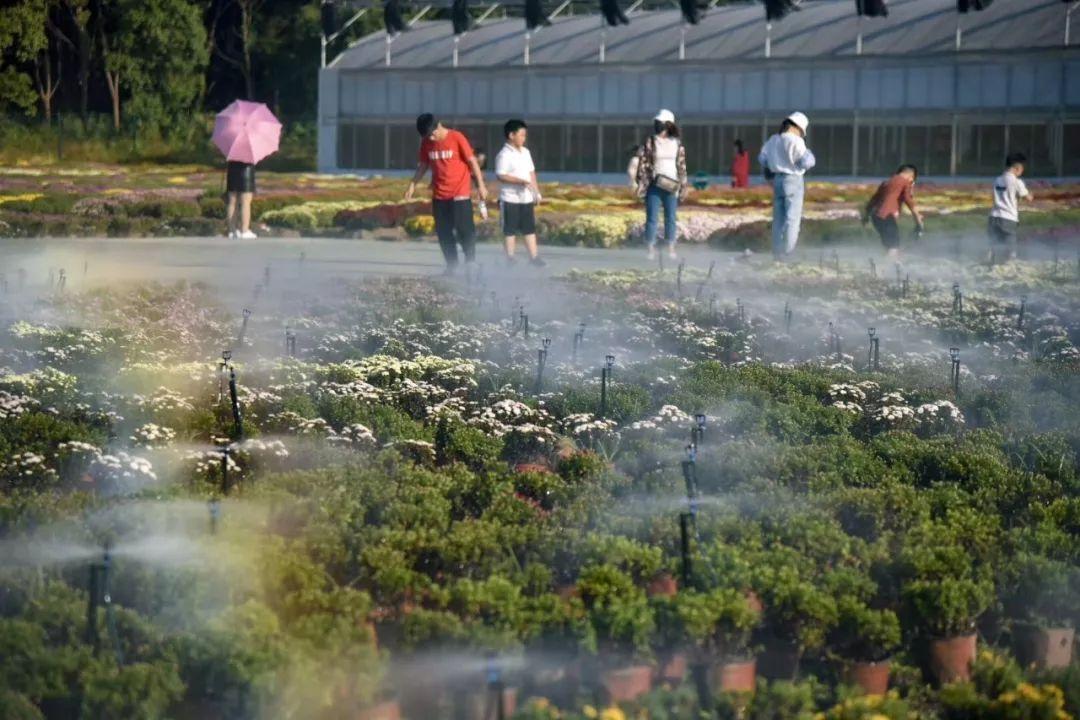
(246, 132)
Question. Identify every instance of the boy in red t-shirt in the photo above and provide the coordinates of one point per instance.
(883, 210)
(451, 159)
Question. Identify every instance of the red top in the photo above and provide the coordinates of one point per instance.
(740, 170)
(448, 159)
(889, 195)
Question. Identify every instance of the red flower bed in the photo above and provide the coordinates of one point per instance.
(380, 216)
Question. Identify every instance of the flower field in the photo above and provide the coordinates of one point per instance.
(187, 201)
(636, 494)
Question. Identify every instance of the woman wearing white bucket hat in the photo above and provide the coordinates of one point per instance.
(784, 160)
(661, 179)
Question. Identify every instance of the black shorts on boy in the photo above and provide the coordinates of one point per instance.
(517, 218)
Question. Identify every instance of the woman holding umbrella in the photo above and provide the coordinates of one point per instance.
(240, 187)
(245, 132)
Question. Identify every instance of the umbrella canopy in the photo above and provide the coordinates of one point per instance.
(246, 132)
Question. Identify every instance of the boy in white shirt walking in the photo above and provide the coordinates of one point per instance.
(1005, 216)
(519, 193)
(784, 160)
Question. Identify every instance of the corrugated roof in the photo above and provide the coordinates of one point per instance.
(729, 33)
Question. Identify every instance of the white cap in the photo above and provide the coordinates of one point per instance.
(665, 116)
(800, 120)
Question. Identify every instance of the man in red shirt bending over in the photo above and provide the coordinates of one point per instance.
(884, 207)
(451, 159)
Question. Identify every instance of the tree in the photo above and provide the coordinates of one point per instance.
(156, 50)
(239, 55)
(78, 11)
(23, 42)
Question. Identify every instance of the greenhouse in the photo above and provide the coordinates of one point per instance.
(948, 91)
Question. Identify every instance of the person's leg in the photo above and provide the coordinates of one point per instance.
(465, 228)
(652, 213)
(1010, 230)
(231, 215)
(527, 229)
(779, 217)
(443, 212)
(671, 230)
(530, 246)
(793, 202)
(510, 229)
(245, 211)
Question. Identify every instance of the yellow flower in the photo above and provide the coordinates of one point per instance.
(25, 197)
(613, 713)
(589, 711)
(177, 180)
(878, 716)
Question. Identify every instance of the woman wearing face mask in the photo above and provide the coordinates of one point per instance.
(661, 179)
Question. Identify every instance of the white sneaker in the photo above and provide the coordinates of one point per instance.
(652, 253)
(233, 234)
(248, 235)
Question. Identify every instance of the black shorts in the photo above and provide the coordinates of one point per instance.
(1002, 231)
(887, 230)
(517, 218)
(240, 177)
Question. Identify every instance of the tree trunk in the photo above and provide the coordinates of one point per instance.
(84, 76)
(43, 79)
(112, 79)
(245, 24)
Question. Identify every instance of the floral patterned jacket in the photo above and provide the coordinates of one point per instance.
(646, 169)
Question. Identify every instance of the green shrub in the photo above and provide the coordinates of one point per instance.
(212, 206)
(719, 621)
(162, 209)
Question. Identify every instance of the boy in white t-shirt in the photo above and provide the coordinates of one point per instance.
(1005, 216)
(519, 192)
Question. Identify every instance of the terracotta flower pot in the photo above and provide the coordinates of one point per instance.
(625, 684)
(672, 668)
(663, 585)
(872, 677)
(735, 676)
(389, 710)
(1044, 647)
(951, 658)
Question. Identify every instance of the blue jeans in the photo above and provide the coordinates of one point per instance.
(654, 198)
(787, 213)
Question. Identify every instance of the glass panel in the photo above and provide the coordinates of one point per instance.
(404, 144)
(370, 147)
(346, 146)
(980, 149)
(840, 162)
(1033, 141)
(580, 148)
(1071, 150)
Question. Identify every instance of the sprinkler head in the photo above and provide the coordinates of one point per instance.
(226, 355)
(1023, 299)
(954, 353)
(700, 419)
(546, 342)
(247, 313)
(871, 332)
(609, 360)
